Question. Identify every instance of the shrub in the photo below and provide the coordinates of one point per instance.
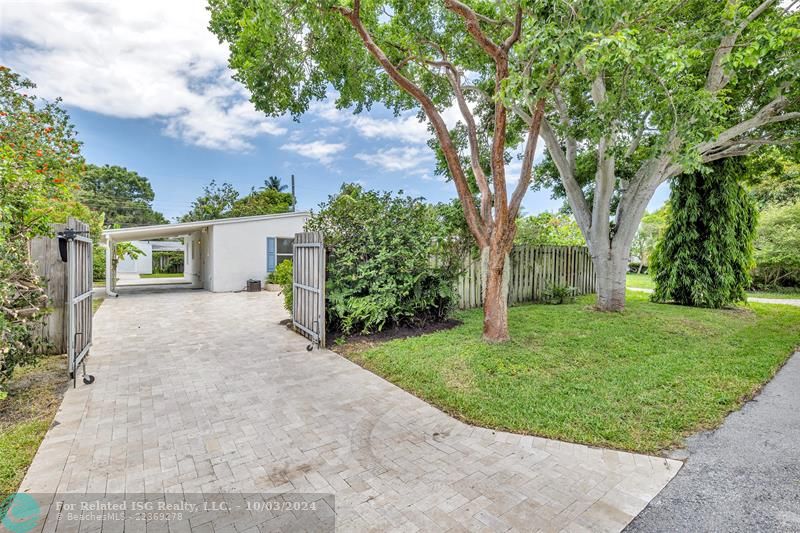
(98, 263)
(167, 261)
(559, 293)
(391, 260)
(705, 255)
(282, 275)
(777, 247)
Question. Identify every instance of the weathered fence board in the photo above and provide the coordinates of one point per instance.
(532, 270)
(50, 267)
(308, 294)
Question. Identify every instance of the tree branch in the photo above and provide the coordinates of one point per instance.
(526, 173)
(474, 222)
(717, 79)
(474, 27)
(474, 148)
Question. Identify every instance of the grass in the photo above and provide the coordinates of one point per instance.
(34, 394)
(639, 380)
(162, 275)
(644, 281)
(641, 281)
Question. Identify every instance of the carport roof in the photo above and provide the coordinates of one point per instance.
(182, 228)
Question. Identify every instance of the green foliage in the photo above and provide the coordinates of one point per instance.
(223, 201)
(650, 230)
(777, 247)
(274, 183)
(261, 202)
(167, 262)
(549, 229)
(774, 178)
(98, 263)
(706, 253)
(125, 197)
(559, 293)
(214, 203)
(39, 164)
(283, 276)
(391, 261)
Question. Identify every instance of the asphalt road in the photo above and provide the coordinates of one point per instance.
(744, 476)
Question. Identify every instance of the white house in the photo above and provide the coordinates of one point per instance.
(221, 255)
(143, 264)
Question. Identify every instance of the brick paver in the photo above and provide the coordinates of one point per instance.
(203, 393)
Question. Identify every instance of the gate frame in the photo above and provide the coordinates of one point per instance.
(76, 353)
(300, 290)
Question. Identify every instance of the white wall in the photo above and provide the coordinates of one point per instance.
(205, 243)
(142, 264)
(238, 251)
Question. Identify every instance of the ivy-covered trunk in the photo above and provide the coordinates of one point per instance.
(495, 272)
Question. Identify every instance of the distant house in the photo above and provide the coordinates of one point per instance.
(219, 255)
(143, 264)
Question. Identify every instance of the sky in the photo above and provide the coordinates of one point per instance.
(148, 88)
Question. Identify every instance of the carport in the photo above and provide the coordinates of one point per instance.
(219, 255)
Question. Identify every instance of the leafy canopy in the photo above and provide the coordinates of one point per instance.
(549, 229)
(122, 195)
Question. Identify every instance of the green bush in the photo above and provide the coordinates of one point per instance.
(172, 261)
(282, 275)
(98, 263)
(391, 260)
(704, 256)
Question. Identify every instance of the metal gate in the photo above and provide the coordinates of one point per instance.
(308, 296)
(75, 247)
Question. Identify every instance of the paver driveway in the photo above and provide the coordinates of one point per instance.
(200, 392)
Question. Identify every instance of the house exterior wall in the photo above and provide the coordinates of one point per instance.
(239, 251)
(205, 243)
(142, 264)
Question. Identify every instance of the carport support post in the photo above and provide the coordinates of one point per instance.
(109, 269)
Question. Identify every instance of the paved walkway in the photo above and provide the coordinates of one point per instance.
(782, 301)
(205, 393)
(745, 476)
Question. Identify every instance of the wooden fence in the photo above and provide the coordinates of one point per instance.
(533, 269)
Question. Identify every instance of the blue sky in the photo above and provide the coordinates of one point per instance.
(148, 88)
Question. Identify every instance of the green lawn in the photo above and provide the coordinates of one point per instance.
(162, 275)
(641, 281)
(644, 281)
(639, 380)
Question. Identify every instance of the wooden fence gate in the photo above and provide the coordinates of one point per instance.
(308, 287)
(65, 263)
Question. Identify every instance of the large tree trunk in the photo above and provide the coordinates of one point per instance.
(495, 273)
(611, 268)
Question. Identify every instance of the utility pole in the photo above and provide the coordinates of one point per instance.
(294, 199)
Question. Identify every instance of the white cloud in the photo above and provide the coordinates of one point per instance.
(145, 59)
(319, 150)
(395, 159)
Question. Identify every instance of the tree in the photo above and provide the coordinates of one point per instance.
(265, 201)
(777, 247)
(549, 229)
(408, 55)
(651, 228)
(125, 197)
(655, 90)
(274, 183)
(39, 165)
(215, 202)
(773, 178)
(706, 253)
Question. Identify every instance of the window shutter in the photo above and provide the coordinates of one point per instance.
(271, 254)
